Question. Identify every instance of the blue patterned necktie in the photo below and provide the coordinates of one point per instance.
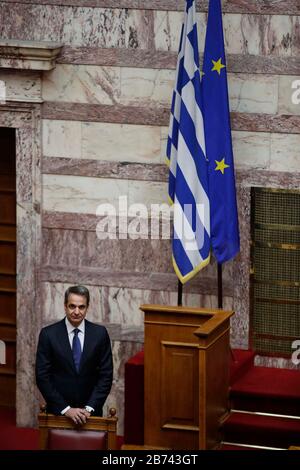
(76, 349)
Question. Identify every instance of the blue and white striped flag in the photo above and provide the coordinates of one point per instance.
(188, 175)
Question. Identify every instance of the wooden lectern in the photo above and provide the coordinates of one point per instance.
(187, 357)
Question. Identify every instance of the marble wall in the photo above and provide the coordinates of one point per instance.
(104, 123)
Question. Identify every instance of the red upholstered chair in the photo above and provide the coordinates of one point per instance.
(134, 400)
(59, 433)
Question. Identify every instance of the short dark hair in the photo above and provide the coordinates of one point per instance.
(79, 290)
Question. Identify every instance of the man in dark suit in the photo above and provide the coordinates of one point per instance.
(74, 368)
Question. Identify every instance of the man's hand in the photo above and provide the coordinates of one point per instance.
(87, 413)
(77, 415)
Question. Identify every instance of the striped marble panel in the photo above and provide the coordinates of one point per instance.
(286, 7)
(105, 169)
(151, 281)
(119, 306)
(102, 141)
(253, 93)
(62, 138)
(71, 239)
(79, 194)
(121, 142)
(82, 84)
(82, 26)
(78, 187)
(71, 193)
(157, 116)
(251, 149)
(88, 222)
(238, 63)
(151, 116)
(149, 87)
(243, 34)
(83, 249)
(296, 37)
(152, 173)
(285, 153)
(258, 150)
(283, 123)
(271, 179)
(134, 28)
(67, 220)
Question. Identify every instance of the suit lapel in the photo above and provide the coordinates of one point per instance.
(88, 343)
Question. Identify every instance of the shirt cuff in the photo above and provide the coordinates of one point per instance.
(65, 410)
(89, 409)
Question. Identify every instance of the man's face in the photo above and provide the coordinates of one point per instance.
(76, 309)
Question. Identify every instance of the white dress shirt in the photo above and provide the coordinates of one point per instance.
(81, 333)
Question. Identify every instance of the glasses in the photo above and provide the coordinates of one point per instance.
(81, 308)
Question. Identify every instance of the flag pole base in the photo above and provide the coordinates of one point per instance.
(179, 294)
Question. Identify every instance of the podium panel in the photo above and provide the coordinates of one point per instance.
(179, 364)
(186, 371)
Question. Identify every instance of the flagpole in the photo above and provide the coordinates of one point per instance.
(220, 301)
(220, 297)
(220, 286)
(179, 293)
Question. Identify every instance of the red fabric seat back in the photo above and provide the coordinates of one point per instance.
(73, 439)
(134, 400)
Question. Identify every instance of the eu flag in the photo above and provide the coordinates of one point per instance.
(222, 196)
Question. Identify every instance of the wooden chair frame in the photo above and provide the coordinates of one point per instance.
(108, 424)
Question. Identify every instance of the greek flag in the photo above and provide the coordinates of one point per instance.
(186, 158)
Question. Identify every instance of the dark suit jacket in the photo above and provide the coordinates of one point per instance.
(56, 376)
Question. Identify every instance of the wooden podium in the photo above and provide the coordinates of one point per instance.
(187, 357)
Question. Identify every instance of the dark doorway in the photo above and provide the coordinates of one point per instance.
(8, 264)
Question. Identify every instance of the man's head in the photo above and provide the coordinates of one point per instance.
(77, 299)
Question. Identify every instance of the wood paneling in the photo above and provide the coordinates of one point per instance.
(186, 376)
(8, 233)
(7, 257)
(7, 283)
(7, 207)
(8, 265)
(180, 405)
(8, 307)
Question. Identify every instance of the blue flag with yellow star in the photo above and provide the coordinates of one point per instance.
(221, 182)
